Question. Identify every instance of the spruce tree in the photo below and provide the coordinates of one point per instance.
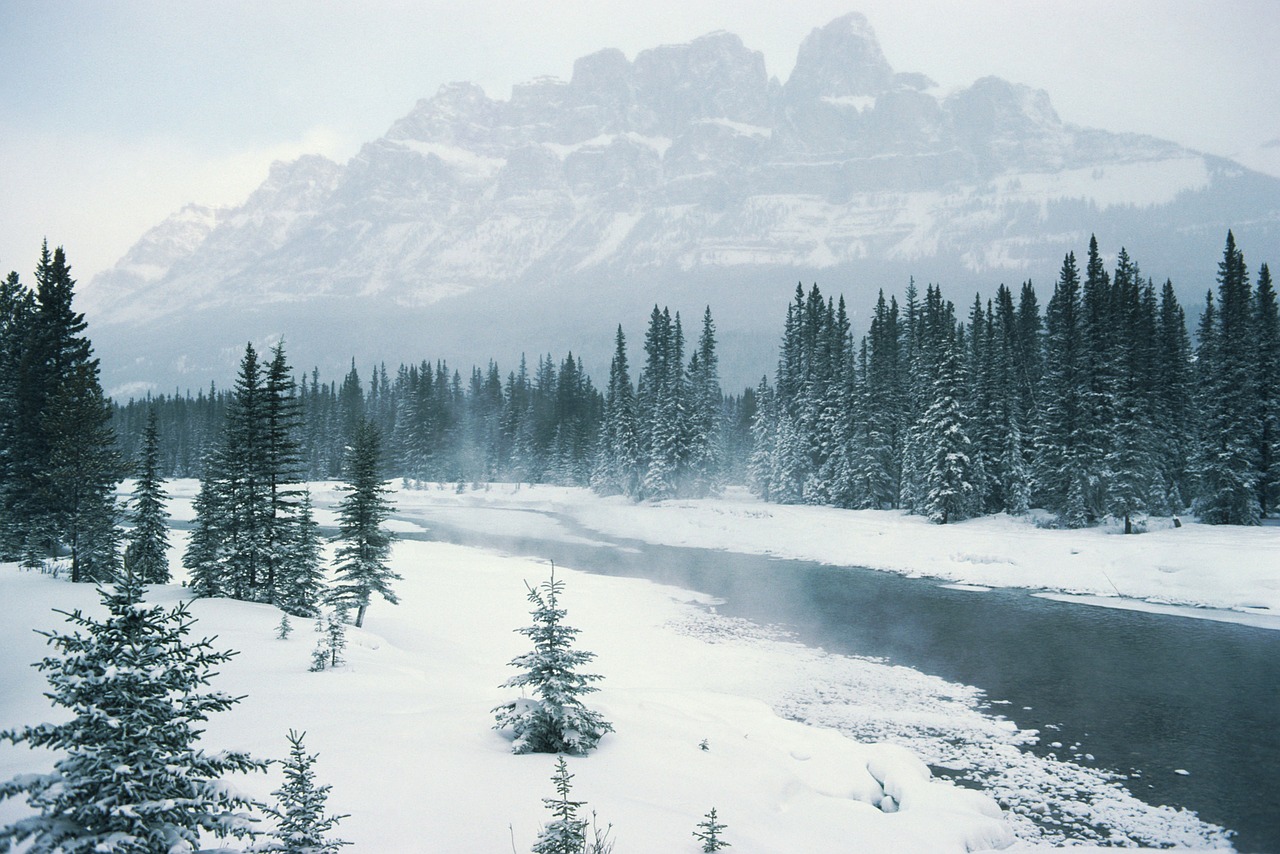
(1060, 472)
(300, 578)
(617, 468)
(1228, 461)
(301, 824)
(60, 466)
(131, 777)
(554, 720)
(704, 450)
(566, 833)
(1268, 379)
(953, 471)
(147, 552)
(708, 833)
(364, 546)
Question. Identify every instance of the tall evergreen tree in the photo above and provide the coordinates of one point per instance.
(60, 463)
(953, 472)
(617, 468)
(1060, 473)
(703, 447)
(300, 585)
(1268, 380)
(1228, 462)
(364, 546)
(147, 553)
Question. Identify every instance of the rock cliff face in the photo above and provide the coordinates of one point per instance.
(478, 227)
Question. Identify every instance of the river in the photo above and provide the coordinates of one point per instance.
(1188, 708)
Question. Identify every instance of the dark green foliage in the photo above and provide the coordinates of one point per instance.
(147, 552)
(131, 778)
(300, 578)
(1228, 461)
(58, 461)
(364, 546)
(553, 720)
(301, 824)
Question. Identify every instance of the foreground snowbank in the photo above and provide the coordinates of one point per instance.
(403, 730)
(1213, 567)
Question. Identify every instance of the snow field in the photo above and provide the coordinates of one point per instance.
(403, 729)
(807, 751)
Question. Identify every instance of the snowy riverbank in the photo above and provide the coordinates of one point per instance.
(1216, 572)
(403, 729)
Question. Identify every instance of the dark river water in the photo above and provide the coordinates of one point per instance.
(1146, 693)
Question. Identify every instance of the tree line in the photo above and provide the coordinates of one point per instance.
(676, 434)
(1098, 408)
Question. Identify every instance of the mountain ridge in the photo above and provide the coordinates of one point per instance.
(685, 176)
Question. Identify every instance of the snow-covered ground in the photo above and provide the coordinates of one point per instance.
(403, 729)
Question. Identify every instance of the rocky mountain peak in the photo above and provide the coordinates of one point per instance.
(842, 59)
(684, 173)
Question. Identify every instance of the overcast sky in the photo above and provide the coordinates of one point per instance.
(115, 114)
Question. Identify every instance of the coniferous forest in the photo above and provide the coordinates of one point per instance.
(1101, 404)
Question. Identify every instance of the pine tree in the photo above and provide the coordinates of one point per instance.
(282, 467)
(364, 546)
(147, 553)
(566, 832)
(704, 452)
(708, 833)
(132, 778)
(205, 556)
(554, 720)
(17, 310)
(1174, 407)
(332, 640)
(76, 489)
(58, 465)
(299, 811)
(300, 578)
(1268, 379)
(1228, 463)
(617, 468)
(953, 471)
(1060, 473)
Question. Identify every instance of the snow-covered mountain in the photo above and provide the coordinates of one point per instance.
(478, 227)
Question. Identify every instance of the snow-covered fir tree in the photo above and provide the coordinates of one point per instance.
(553, 719)
(1228, 462)
(147, 552)
(617, 468)
(302, 827)
(364, 546)
(566, 833)
(952, 470)
(708, 832)
(331, 641)
(300, 583)
(131, 777)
